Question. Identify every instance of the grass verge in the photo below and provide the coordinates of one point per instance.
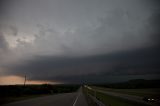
(115, 101)
(111, 100)
(151, 92)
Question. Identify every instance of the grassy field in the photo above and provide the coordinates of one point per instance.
(147, 92)
(114, 101)
(12, 93)
(111, 100)
(136, 87)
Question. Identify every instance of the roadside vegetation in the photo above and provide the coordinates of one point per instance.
(138, 87)
(132, 84)
(148, 92)
(10, 93)
(115, 101)
(110, 100)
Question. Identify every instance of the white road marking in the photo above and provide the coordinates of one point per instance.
(74, 104)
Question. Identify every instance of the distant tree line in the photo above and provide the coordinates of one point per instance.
(19, 90)
(133, 84)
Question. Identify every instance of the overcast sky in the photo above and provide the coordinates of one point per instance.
(79, 40)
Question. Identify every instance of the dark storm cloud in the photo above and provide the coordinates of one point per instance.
(128, 30)
(3, 43)
(68, 69)
(155, 24)
(9, 29)
(6, 30)
(3, 4)
(14, 30)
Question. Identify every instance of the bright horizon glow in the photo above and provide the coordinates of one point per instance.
(15, 80)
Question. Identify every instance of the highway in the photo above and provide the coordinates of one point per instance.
(64, 99)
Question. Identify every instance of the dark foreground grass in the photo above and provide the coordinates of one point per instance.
(115, 101)
(145, 92)
(11, 93)
(111, 100)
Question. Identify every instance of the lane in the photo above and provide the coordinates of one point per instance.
(65, 99)
(80, 99)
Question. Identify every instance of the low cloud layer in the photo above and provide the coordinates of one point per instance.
(138, 62)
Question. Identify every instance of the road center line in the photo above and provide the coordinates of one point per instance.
(76, 99)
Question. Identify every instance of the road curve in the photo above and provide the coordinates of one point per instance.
(65, 99)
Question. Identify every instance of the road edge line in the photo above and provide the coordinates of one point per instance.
(76, 100)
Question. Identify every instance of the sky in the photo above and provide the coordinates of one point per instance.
(79, 41)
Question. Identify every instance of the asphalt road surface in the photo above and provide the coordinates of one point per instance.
(65, 99)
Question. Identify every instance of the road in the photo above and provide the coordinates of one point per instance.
(65, 99)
